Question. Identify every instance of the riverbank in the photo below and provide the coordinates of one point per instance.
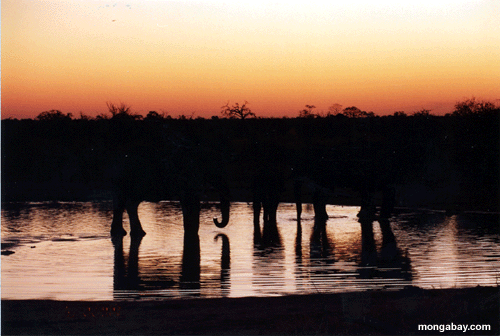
(376, 313)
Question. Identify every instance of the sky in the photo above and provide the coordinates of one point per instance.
(193, 57)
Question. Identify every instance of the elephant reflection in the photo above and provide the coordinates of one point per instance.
(390, 262)
(320, 244)
(268, 253)
(225, 263)
(126, 271)
(269, 236)
(190, 272)
(126, 274)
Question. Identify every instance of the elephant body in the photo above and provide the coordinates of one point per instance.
(178, 169)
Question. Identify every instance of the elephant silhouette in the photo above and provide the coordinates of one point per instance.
(319, 197)
(267, 188)
(181, 170)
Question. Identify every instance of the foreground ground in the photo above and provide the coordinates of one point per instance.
(350, 313)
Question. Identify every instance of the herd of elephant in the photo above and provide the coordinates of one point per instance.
(190, 172)
(263, 173)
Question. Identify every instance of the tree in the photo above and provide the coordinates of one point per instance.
(307, 112)
(335, 109)
(354, 112)
(85, 117)
(237, 111)
(399, 114)
(422, 113)
(122, 112)
(474, 107)
(53, 115)
(153, 115)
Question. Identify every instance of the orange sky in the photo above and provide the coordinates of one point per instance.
(182, 57)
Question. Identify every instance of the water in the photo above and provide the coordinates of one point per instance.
(63, 251)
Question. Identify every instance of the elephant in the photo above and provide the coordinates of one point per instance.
(181, 170)
(267, 187)
(319, 198)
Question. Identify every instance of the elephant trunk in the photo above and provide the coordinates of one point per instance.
(224, 207)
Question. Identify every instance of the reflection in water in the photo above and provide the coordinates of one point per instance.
(127, 282)
(390, 264)
(321, 247)
(368, 248)
(126, 275)
(298, 272)
(225, 265)
(190, 273)
(268, 257)
(298, 242)
(59, 249)
(270, 236)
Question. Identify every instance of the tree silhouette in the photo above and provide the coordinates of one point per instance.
(122, 112)
(335, 109)
(153, 115)
(399, 114)
(53, 115)
(474, 107)
(422, 113)
(237, 111)
(354, 112)
(307, 112)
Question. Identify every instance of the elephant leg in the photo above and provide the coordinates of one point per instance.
(267, 210)
(388, 202)
(297, 191)
(319, 204)
(257, 206)
(273, 209)
(135, 224)
(270, 205)
(257, 236)
(367, 211)
(191, 213)
(117, 223)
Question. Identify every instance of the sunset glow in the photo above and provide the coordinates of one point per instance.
(184, 57)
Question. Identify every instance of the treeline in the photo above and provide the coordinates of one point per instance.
(468, 107)
(437, 161)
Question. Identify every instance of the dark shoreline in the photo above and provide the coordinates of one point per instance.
(373, 312)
